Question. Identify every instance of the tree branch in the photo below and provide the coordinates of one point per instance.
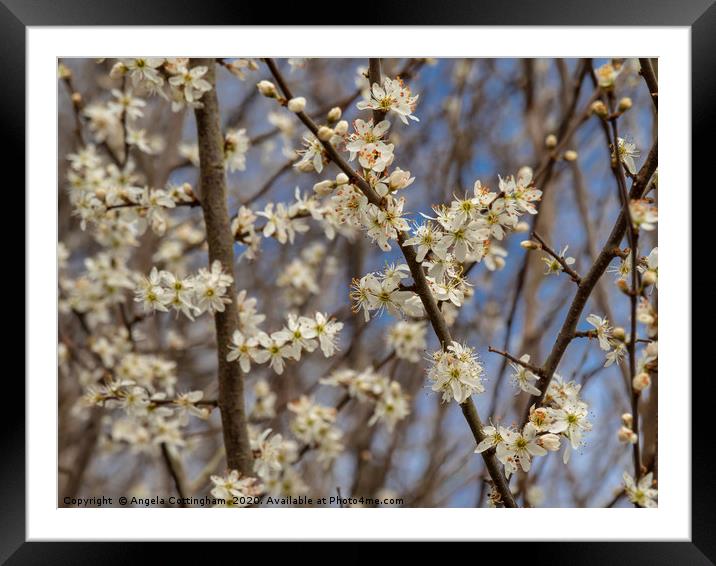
(220, 242)
(647, 71)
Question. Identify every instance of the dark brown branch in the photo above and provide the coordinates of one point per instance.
(220, 241)
(375, 75)
(633, 234)
(647, 71)
(175, 473)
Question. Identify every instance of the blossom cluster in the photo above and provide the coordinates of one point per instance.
(299, 334)
(564, 413)
(515, 448)
(610, 340)
(233, 490)
(104, 283)
(392, 96)
(300, 276)
(273, 459)
(264, 401)
(192, 295)
(563, 416)
(379, 291)
(456, 372)
(408, 339)
(112, 198)
(186, 85)
(314, 425)
(391, 404)
(284, 220)
(142, 388)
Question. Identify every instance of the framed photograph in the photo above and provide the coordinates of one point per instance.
(361, 282)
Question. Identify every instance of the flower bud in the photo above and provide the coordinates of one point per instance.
(641, 381)
(334, 114)
(341, 179)
(522, 226)
(600, 109)
(297, 104)
(341, 128)
(649, 277)
(624, 104)
(323, 188)
(549, 442)
(550, 141)
(627, 435)
(524, 175)
(619, 333)
(267, 88)
(570, 155)
(530, 245)
(76, 98)
(627, 419)
(324, 132)
(188, 191)
(305, 166)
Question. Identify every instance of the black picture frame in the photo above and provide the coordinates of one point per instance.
(699, 15)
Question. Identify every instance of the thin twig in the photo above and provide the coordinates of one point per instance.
(533, 368)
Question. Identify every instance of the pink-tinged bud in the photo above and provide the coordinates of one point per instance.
(530, 245)
(267, 88)
(297, 104)
(334, 114)
(641, 381)
(324, 133)
(627, 435)
(627, 419)
(341, 128)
